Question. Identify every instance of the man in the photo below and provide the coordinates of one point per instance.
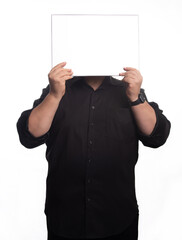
(91, 126)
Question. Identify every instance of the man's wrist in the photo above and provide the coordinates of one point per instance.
(133, 99)
(139, 100)
(55, 98)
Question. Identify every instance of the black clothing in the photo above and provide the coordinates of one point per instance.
(130, 233)
(92, 149)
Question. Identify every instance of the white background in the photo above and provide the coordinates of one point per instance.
(25, 56)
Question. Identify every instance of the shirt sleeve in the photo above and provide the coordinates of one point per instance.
(25, 137)
(160, 132)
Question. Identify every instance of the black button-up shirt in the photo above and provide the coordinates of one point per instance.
(92, 149)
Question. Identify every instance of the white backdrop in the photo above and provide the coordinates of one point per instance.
(25, 61)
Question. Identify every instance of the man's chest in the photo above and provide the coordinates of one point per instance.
(104, 113)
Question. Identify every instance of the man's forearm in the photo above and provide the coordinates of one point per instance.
(145, 117)
(41, 117)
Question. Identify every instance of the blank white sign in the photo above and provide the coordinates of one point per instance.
(95, 44)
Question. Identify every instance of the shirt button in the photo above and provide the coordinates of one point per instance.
(89, 160)
(93, 107)
(91, 123)
(88, 180)
(88, 199)
(90, 142)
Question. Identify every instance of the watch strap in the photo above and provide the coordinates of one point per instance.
(141, 98)
(138, 101)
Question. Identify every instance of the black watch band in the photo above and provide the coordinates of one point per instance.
(141, 99)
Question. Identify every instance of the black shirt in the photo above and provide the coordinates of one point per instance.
(92, 149)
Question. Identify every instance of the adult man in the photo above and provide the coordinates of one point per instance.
(91, 126)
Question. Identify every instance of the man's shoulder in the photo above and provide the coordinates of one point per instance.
(116, 82)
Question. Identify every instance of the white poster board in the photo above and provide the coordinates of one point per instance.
(95, 44)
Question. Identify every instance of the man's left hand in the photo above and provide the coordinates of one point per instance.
(134, 79)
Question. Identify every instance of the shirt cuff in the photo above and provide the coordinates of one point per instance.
(26, 138)
(156, 127)
(160, 132)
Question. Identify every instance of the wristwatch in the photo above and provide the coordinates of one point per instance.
(141, 99)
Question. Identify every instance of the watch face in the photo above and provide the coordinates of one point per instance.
(142, 98)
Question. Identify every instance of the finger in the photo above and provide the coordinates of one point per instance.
(122, 74)
(62, 74)
(128, 79)
(126, 74)
(129, 68)
(57, 70)
(62, 64)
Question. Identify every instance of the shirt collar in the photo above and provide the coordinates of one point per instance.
(108, 80)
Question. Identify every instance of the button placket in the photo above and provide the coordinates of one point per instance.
(90, 144)
(90, 157)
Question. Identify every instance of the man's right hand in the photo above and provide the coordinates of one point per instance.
(57, 78)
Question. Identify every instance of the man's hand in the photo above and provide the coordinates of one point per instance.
(42, 115)
(144, 114)
(57, 78)
(134, 79)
